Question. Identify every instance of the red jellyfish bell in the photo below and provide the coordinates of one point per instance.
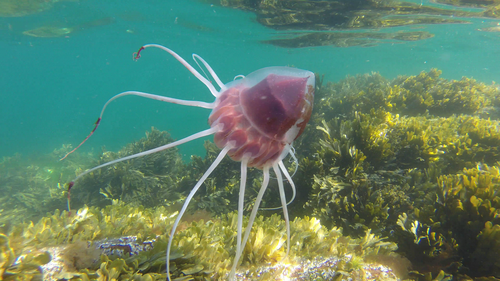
(264, 113)
(254, 120)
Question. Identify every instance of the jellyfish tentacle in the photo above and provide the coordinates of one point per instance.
(191, 69)
(212, 72)
(265, 182)
(241, 202)
(145, 95)
(188, 199)
(201, 104)
(96, 124)
(198, 135)
(283, 203)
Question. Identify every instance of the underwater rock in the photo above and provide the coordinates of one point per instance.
(81, 255)
(320, 268)
(201, 250)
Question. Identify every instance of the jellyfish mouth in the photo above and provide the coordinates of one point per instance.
(294, 131)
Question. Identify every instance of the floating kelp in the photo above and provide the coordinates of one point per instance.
(347, 39)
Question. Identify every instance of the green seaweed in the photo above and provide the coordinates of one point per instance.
(201, 250)
(414, 159)
(148, 180)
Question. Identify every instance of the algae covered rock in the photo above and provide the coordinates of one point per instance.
(414, 159)
(202, 249)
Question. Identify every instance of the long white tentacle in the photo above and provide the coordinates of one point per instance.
(160, 98)
(154, 150)
(188, 199)
(283, 203)
(241, 202)
(289, 178)
(265, 182)
(188, 66)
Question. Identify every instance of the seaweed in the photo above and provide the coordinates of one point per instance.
(201, 251)
(148, 180)
(414, 159)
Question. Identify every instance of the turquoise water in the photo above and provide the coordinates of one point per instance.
(52, 89)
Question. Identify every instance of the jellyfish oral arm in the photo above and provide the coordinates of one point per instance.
(289, 179)
(283, 201)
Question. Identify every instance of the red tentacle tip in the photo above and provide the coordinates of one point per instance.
(70, 185)
(137, 54)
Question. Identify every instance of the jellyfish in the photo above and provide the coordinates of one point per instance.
(254, 120)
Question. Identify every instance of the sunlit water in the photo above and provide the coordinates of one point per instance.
(52, 89)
